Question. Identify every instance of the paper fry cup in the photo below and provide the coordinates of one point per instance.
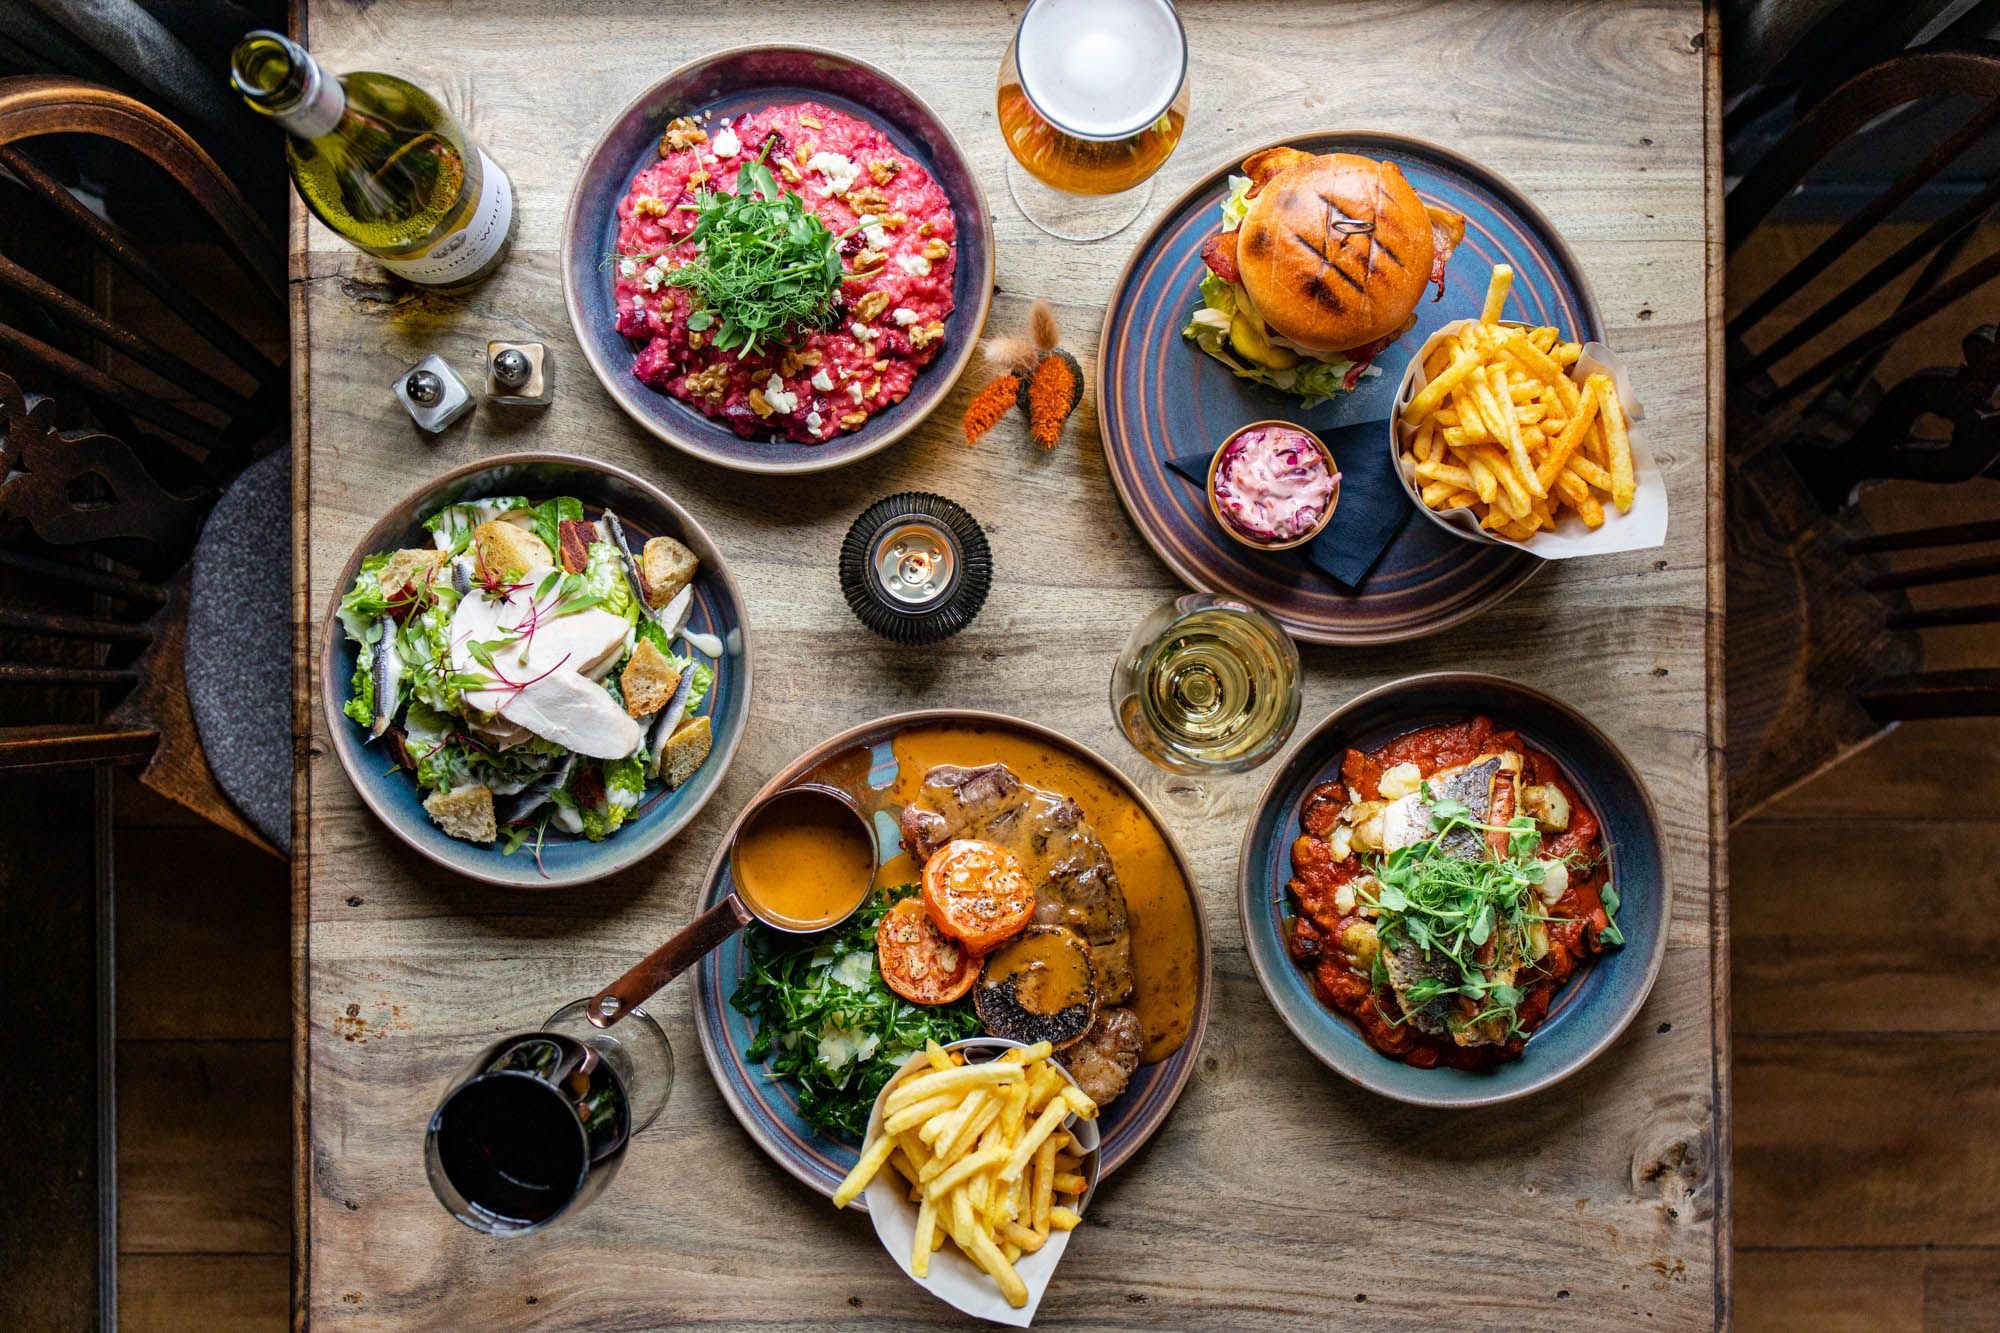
(1643, 527)
(955, 1279)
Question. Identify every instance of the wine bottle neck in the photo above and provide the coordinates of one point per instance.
(279, 79)
(320, 109)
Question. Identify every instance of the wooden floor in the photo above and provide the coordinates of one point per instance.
(204, 1012)
(1865, 948)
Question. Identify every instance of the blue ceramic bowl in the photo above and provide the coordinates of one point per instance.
(1600, 998)
(718, 609)
(732, 83)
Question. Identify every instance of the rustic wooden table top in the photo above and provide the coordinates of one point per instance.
(1277, 1194)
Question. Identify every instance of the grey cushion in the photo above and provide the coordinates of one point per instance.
(239, 644)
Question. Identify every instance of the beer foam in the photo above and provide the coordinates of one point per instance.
(1101, 69)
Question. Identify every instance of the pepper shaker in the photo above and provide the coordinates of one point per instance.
(517, 374)
(433, 394)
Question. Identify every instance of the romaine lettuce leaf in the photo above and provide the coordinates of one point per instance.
(361, 705)
(604, 578)
(365, 600)
(1237, 203)
(549, 515)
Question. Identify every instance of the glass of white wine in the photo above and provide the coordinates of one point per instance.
(1207, 684)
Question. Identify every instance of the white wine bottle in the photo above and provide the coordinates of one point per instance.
(383, 164)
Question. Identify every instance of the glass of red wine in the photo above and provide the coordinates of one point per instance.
(537, 1124)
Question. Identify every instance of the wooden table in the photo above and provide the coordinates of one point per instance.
(1277, 1195)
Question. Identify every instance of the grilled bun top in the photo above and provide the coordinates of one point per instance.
(1334, 251)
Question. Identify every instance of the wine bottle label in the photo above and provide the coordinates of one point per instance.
(465, 251)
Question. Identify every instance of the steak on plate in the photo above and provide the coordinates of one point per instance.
(1075, 884)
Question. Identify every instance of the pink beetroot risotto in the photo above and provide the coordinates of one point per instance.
(890, 317)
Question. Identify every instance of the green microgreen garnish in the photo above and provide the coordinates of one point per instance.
(766, 267)
(1440, 903)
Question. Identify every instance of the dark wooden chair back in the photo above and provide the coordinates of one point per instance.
(110, 515)
(1824, 645)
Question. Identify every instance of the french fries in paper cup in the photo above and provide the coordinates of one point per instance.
(992, 1159)
(1504, 434)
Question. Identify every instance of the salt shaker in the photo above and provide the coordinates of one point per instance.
(433, 394)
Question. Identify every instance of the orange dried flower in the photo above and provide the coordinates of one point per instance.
(983, 413)
(1042, 327)
(1051, 395)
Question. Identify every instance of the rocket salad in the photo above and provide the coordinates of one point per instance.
(826, 1020)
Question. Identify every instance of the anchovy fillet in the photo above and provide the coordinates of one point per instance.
(668, 720)
(537, 792)
(388, 672)
(631, 566)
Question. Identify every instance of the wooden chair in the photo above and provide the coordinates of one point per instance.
(110, 514)
(1825, 649)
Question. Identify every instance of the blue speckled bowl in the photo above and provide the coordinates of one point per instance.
(718, 610)
(1600, 999)
(732, 83)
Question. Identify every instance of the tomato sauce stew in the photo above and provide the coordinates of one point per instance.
(1446, 887)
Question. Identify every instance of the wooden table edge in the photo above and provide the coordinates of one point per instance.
(1718, 778)
(298, 267)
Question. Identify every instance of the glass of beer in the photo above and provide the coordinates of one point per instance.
(1093, 98)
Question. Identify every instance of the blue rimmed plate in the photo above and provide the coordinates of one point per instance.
(1600, 999)
(733, 83)
(718, 610)
(1159, 397)
(767, 1105)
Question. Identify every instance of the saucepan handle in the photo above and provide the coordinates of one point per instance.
(668, 961)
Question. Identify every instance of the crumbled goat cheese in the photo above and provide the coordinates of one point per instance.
(813, 420)
(725, 143)
(905, 316)
(838, 170)
(916, 265)
(780, 398)
(821, 380)
(627, 267)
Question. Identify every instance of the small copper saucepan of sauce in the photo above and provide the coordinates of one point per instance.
(802, 860)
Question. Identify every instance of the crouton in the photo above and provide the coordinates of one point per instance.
(407, 570)
(649, 680)
(685, 751)
(464, 812)
(665, 567)
(576, 536)
(506, 550)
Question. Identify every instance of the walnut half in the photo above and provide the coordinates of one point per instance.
(682, 133)
(871, 306)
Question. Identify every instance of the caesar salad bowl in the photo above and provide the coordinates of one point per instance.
(461, 727)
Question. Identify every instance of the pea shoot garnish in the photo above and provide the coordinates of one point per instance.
(766, 269)
(1442, 904)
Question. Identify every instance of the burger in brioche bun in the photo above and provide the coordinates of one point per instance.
(1319, 266)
